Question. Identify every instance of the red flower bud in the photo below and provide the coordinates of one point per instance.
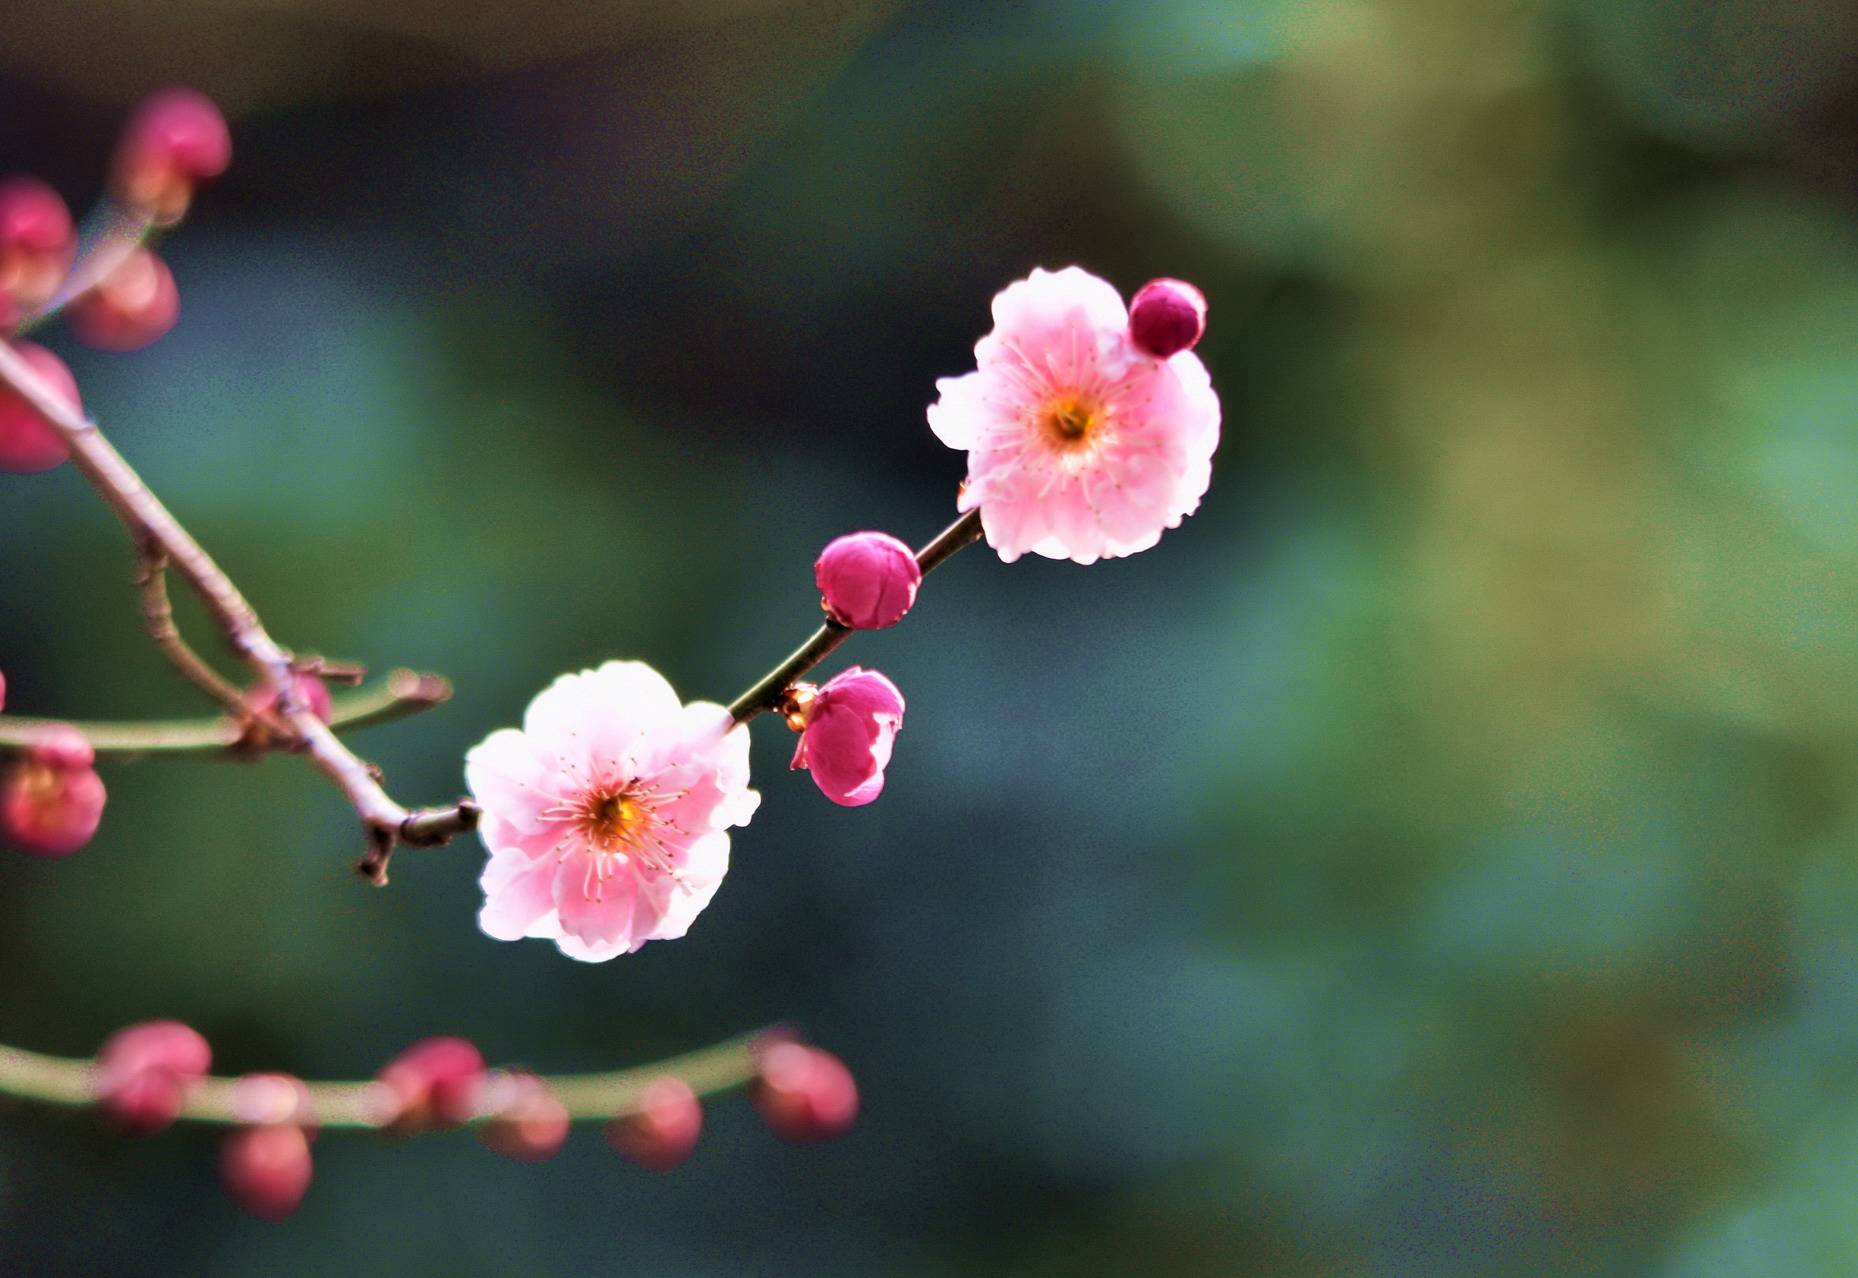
(36, 241)
(804, 1094)
(173, 141)
(51, 800)
(27, 443)
(137, 304)
(867, 580)
(434, 1084)
(662, 1131)
(2, 692)
(267, 1168)
(528, 1123)
(145, 1072)
(1167, 317)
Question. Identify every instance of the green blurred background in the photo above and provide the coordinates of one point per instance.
(1438, 857)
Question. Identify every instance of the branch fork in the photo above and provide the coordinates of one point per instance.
(164, 545)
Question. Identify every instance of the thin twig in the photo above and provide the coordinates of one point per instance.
(158, 617)
(400, 694)
(369, 1105)
(767, 692)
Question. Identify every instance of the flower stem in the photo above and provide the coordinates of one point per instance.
(768, 691)
(368, 1105)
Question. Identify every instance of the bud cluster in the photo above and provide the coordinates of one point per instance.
(119, 296)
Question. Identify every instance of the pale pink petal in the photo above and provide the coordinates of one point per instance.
(969, 403)
(517, 892)
(584, 952)
(598, 912)
(505, 774)
(678, 903)
(500, 836)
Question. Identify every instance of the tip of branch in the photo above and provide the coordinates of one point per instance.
(411, 685)
(426, 828)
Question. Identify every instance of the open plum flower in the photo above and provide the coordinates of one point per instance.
(1081, 444)
(607, 814)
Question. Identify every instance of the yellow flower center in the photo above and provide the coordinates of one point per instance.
(1069, 421)
(613, 820)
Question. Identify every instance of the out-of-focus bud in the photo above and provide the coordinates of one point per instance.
(145, 1072)
(662, 1131)
(1167, 317)
(267, 1168)
(137, 304)
(847, 731)
(528, 1124)
(262, 700)
(2, 692)
(36, 242)
(51, 799)
(27, 443)
(269, 1099)
(174, 141)
(434, 1084)
(867, 580)
(802, 1093)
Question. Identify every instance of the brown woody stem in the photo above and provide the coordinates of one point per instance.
(772, 687)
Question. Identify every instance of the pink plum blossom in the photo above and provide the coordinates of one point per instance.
(1080, 444)
(848, 728)
(607, 813)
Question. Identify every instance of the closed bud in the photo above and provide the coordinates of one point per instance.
(27, 442)
(1167, 317)
(867, 580)
(36, 242)
(145, 1072)
(51, 799)
(527, 1123)
(267, 1168)
(662, 1131)
(176, 139)
(312, 692)
(137, 304)
(802, 1093)
(434, 1084)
